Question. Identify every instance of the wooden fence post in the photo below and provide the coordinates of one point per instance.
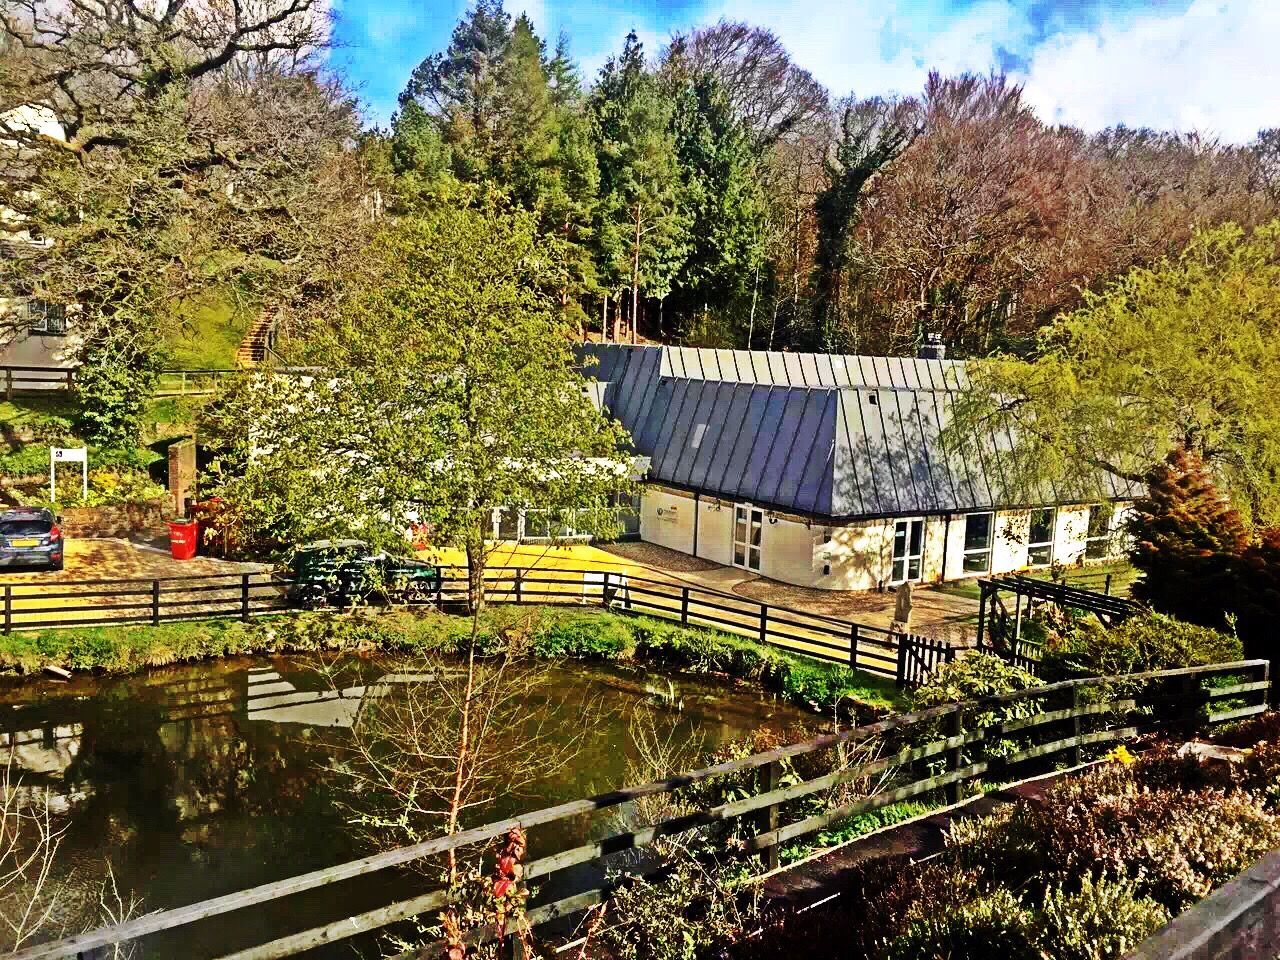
(1106, 585)
(764, 623)
(8, 386)
(770, 778)
(684, 606)
(955, 756)
(155, 602)
(8, 609)
(519, 586)
(1077, 751)
(244, 597)
(982, 612)
(605, 599)
(853, 646)
(904, 640)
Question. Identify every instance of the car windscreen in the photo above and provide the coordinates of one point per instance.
(24, 528)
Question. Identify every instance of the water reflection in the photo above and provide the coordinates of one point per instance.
(197, 781)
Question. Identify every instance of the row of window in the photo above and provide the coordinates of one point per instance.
(979, 536)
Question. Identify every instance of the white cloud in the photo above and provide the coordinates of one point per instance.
(870, 47)
(1212, 68)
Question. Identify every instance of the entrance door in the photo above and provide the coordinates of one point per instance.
(908, 550)
(748, 526)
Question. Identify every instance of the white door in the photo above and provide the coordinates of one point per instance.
(908, 551)
(748, 528)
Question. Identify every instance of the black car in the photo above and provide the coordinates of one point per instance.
(30, 538)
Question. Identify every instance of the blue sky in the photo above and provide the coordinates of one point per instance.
(1203, 64)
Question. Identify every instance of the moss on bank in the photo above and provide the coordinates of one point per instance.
(546, 632)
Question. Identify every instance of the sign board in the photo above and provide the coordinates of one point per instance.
(59, 455)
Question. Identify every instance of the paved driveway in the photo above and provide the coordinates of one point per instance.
(111, 559)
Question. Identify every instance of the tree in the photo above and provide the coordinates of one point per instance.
(452, 393)
(764, 89)
(720, 183)
(1185, 538)
(1185, 353)
(872, 133)
(527, 127)
(168, 150)
(462, 89)
(642, 230)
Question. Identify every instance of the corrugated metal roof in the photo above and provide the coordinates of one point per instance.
(823, 434)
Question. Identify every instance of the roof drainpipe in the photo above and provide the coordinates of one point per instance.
(696, 513)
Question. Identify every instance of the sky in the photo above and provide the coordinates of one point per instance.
(1205, 65)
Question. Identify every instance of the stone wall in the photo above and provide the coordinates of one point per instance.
(117, 520)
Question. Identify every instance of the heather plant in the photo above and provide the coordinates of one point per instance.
(1103, 920)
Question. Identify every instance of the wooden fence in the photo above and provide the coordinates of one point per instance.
(906, 658)
(34, 379)
(72, 603)
(1000, 631)
(1240, 921)
(940, 753)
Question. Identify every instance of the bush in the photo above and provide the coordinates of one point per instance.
(676, 918)
(1104, 920)
(1150, 642)
(593, 636)
(994, 925)
(971, 678)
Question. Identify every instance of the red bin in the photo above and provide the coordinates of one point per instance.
(183, 537)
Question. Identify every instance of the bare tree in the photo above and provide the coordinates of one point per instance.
(768, 92)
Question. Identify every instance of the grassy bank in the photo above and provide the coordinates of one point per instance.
(545, 632)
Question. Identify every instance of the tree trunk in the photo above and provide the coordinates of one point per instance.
(635, 275)
(617, 321)
(604, 317)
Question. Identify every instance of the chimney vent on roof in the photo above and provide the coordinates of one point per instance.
(933, 348)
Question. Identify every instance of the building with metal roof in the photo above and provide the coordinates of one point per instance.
(851, 447)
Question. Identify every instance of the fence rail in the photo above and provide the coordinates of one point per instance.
(939, 752)
(906, 658)
(72, 603)
(1240, 921)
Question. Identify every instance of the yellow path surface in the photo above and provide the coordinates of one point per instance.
(531, 556)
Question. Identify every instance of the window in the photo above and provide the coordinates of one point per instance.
(42, 317)
(977, 542)
(1098, 538)
(1040, 543)
(908, 550)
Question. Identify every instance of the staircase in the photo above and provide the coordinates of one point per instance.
(258, 338)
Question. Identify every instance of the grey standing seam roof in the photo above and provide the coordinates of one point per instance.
(823, 434)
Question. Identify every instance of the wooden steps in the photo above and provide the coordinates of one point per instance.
(257, 339)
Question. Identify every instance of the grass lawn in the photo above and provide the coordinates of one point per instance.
(27, 410)
(1091, 577)
(209, 329)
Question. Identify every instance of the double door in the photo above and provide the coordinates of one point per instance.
(748, 533)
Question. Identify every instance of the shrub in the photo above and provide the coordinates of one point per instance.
(1104, 920)
(675, 918)
(1150, 642)
(994, 925)
(595, 636)
(971, 678)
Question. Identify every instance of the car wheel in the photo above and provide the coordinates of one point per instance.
(57, 564)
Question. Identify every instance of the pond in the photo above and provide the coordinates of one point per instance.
(196, 781)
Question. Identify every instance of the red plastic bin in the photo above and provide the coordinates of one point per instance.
(184, 535)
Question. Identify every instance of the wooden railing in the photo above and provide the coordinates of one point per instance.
(1240, 921)
(28, 379)
(906, 658)
(937, 753)
(71, 603)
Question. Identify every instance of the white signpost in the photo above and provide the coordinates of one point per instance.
(59, 455)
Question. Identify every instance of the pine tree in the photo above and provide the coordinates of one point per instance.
(642, 231)
(462, 88)
(566, 84)
(719, 168)
(526, 133)
(1186, 539)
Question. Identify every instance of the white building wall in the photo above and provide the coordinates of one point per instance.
(859, 555)
(666, 518)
